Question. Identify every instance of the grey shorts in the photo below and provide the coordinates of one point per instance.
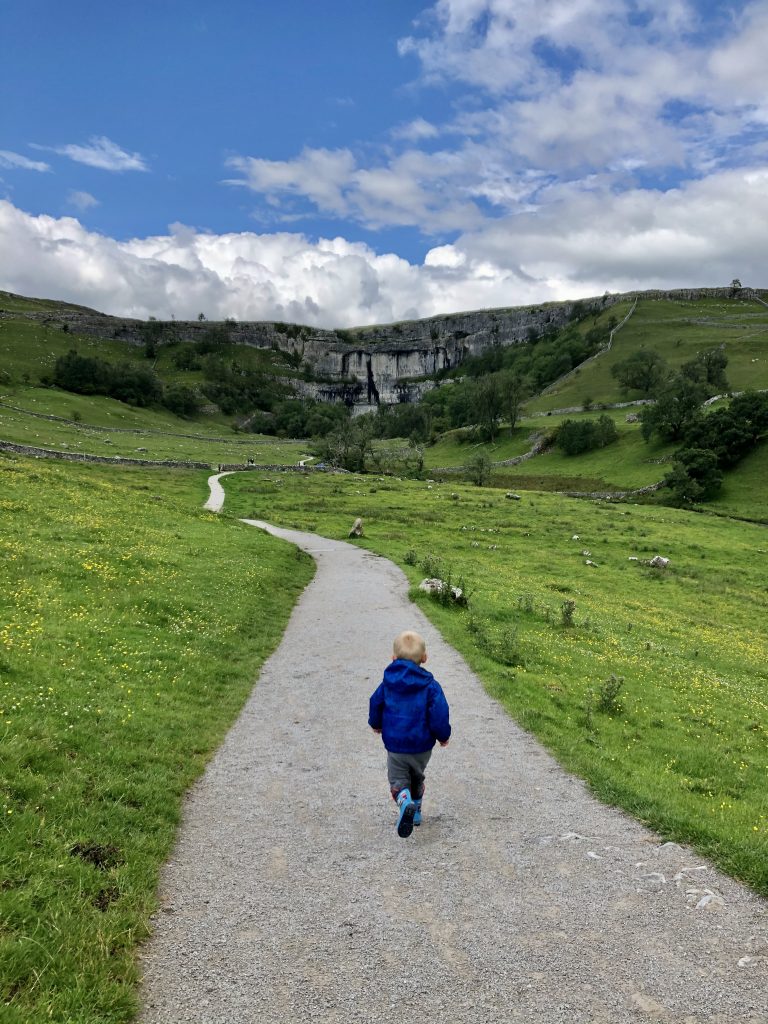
(406, 771)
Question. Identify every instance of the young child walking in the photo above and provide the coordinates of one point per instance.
(411, 713)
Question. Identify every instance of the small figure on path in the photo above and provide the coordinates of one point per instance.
(411, 713)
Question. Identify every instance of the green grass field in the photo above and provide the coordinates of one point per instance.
(160, 437)
(684, 749)
(132, 628)
(628, 463)
(678, 330)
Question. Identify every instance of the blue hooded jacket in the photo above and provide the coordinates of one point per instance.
(410, 708)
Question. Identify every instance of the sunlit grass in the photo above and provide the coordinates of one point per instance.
(678, 330)
(132, 627)
(150, 434)
(687, 752)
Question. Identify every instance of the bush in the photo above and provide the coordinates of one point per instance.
(576, 436)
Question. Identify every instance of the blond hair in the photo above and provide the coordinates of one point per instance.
(410, 647)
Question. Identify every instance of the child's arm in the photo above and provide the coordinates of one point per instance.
(376, 709)
(438, 714)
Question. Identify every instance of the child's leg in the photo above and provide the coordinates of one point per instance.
(418, 768)
(398, 773)
(417, 764)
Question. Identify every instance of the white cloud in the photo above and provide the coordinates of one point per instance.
(81, 200)
(416, 130)
(10, 159)
(579, 242)
(412, 188)
(101, 152)
(583, 91)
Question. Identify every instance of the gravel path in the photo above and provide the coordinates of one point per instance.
(290, 898)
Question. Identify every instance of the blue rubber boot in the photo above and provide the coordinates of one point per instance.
(417, 812)
(407, 811)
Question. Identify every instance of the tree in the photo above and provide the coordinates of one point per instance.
(478, 469)
(181, 400)
(577, 436)
(488, 404)
(512, 394)
(676, 407)
(708, 368)
(695, 476)
(644, 371)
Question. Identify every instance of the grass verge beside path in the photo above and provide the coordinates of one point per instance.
(656, 692)
(132, 627)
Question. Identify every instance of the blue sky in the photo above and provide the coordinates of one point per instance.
(342, 163)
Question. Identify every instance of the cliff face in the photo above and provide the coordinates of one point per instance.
(371, 365)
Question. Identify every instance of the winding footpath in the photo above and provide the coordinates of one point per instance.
(290, 898)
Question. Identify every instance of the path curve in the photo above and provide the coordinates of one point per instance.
(290, 898)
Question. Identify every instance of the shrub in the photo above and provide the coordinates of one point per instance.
(567, 612)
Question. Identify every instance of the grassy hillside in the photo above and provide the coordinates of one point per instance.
(158, 434)
(678, 331)
(628, 463)
(132, 626)
(31, 348)
(682, 745)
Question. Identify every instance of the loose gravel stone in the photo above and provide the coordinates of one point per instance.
(290, 897)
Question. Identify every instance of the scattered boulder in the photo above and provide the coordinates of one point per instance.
(512, 496)
(590, 562)
(658, 562)
(440, 587)
(632, 417)
(357, 528)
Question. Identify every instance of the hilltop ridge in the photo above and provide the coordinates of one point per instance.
(386, 363)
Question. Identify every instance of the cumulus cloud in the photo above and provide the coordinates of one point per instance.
(101, 152)
(412, 188)
(10, 159)
(579, 242)
(579, 91)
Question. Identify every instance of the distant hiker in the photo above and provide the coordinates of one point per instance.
(411, 713)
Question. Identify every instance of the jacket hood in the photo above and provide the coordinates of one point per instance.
(406, 675)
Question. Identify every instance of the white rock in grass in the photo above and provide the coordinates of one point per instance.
(436, 586)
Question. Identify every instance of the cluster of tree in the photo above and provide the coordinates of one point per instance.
(239, 389)
(576, 436)
(132, 383)
(294, 418)
(716, 442)
(351, 445)
(648, 372)
(679, 396)
(543, 357)
(478, 401)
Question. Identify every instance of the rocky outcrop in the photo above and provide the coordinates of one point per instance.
(371, 365)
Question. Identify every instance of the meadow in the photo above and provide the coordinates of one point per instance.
(94, 425)
(132, 628)
(649, 683)
(678, 330)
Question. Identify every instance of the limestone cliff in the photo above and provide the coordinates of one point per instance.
(371, 365)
